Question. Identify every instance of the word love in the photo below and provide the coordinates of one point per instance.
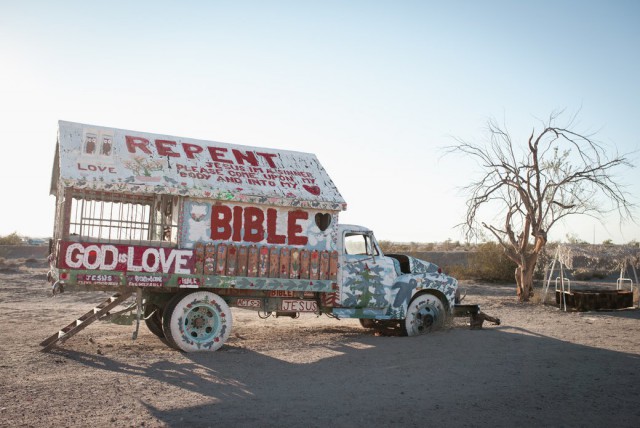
(100, 168)
(252, 224)
(127, 258)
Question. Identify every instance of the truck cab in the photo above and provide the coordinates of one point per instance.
(379, 288)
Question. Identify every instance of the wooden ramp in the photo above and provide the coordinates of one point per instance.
(86, 319)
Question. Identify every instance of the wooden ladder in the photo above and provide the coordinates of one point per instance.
(86, 319)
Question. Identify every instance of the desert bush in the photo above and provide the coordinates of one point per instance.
(390, 247)
(489, 263)
(386, 246)
(586, 274)
(12, 239)
(458, 272)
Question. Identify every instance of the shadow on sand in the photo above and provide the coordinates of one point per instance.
(500, 376)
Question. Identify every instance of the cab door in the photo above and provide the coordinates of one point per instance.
(367, 276)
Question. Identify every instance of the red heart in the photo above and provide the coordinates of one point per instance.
(314, 190)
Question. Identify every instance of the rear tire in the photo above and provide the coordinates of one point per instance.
(197, 321)
(153, 319)
(425, 313)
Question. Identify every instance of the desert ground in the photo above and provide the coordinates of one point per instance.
(540, 367)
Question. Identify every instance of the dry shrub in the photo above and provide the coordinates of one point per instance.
(489, 263)
(538, 296)
(585, 274)
(457, 271)
(390, 247)
(13, 239)
(9, 262)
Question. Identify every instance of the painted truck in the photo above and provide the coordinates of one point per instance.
(196, 227)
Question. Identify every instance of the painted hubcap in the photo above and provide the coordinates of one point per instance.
(425, 315)
(200, 323)
(425, 318)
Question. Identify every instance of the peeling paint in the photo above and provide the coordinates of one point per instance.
(117, 160)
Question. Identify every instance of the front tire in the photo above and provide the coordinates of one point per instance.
(367, 323)
(197, 321)
(425, 314)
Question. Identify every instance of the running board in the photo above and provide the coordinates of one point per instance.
(82, 322)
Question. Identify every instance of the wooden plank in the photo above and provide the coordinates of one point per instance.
(304, 264)
(294, 268)
(263, 262)
(274, 262)
(285, 256)
(242, 260)
(221, 255)
(232, 258)
(253, 262)
(210, 259)
(314, 270)
(324, 265)
(199, 253)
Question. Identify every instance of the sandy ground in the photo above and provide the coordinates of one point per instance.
(541, 367)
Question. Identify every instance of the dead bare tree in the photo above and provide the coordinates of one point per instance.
(557, 173)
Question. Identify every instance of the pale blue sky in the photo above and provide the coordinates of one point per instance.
(374, 88)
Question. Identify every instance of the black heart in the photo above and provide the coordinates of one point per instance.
(323, 221)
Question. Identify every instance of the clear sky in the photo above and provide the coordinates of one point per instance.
(374, 88)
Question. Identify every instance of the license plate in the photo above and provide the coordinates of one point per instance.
(299, 306)
(248, 303)
(282, 293)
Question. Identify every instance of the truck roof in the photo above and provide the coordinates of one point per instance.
(131, 162)
(353, 228)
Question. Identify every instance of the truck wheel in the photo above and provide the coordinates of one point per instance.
(153, 319)
(367, 323)
(425, 313)
(197, 321)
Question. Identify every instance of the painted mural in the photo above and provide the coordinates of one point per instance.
(367, 285)
(98, 158)
(125, 258)
(379, 290)
(255, 225)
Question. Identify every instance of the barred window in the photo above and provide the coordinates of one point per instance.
(105, 217)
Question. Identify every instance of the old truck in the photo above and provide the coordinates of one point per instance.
(195, 227)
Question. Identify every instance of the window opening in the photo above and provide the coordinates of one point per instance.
(359, 244)
(109, 217)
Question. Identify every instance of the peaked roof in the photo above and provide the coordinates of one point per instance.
(131, 162)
